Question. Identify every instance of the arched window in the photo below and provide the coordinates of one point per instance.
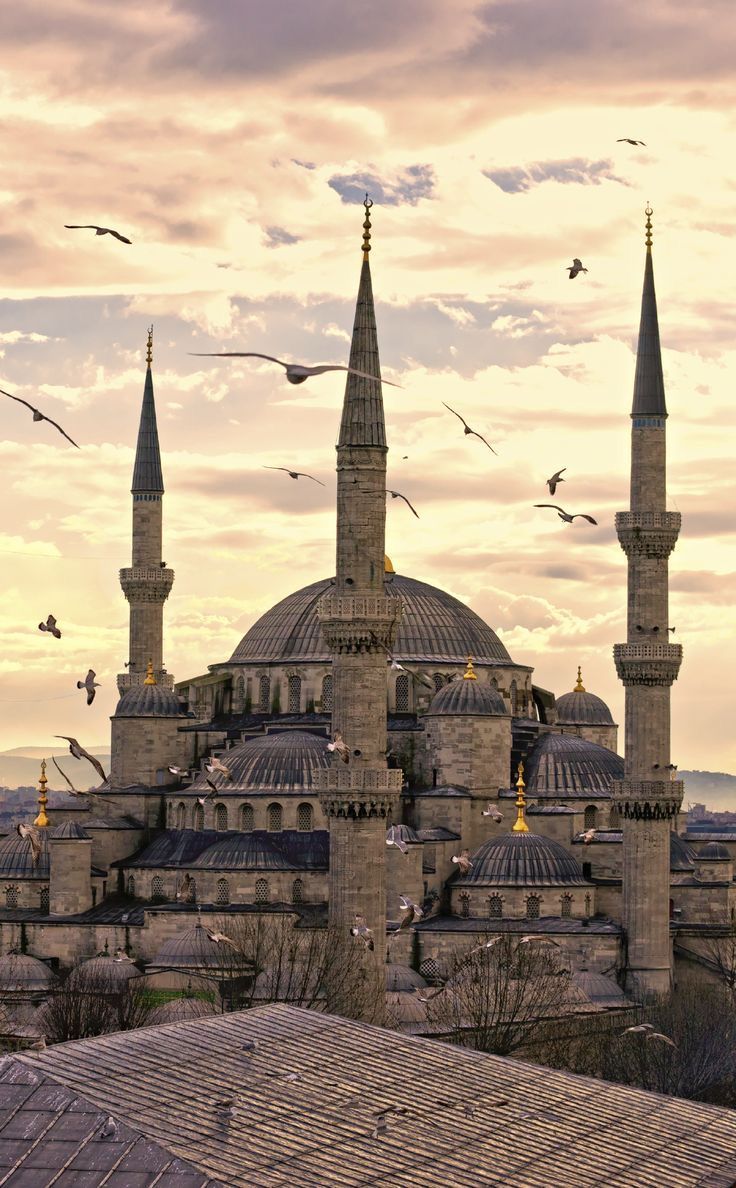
(566, 905)
(181, 815)
(464, 905)
(198, 817)
(512, 695)
(11, 896)
(261, 890)
(587, 904)
(304, 818)
(275, 818)
(192, 891)
(264, 703)
(495, 907)
(223, 891)
(44, 903)
(439, 681)
(246, 818)
(297, 891)
(327, 693)
(295, 694)
(239, 695)
(533, 904)
(402, 694)
(590, 817)
(220, 817)
(494, 682)
(131, 885)
(170, 815)
(157, 887)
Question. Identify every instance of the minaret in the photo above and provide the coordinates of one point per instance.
(647, 664)
(147, 583)
(359, 622)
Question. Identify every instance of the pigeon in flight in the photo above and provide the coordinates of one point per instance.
(556, 478)
(628, 140)
(72, 789)
(361, 929)
(296, 373)
(463, 861)
(215, 765)
(566, 515)
(33, 835)
(576, 267)
(398, 495)
(79, 752)
(492, 811)
(38, 415)
(97, 230)
(339, 746)
(394, 838)
(50, 625)
(90, 684)
(295, 474)
(467, 430)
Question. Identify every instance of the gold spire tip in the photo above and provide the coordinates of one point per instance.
(368, 203)
(520, 825)
(43, 799)
(149, 346)
(469, 672)
(150, 678)
(648, 238)
(579, 687)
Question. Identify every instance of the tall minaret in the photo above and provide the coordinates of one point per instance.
(647, 664)
(359, 622)
(147, 583)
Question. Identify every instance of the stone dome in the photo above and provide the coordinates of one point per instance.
(434, 626)
(581, 708)
(193, 950)
(597, 987)
(70, 831)
(20, 973)
(105, 971)
(283, 762)
(177, 1010)
(403, 979)
(467, 697)
(565, 764)
(149, 701)
(16, 857)
(523, 860)
(714, 852)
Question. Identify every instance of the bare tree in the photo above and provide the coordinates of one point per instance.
(719, 955)
(93, 1002)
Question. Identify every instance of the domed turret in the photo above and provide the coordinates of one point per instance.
(149, 701)
(589, 714)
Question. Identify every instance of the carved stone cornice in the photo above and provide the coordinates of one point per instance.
(358, 793)
(647, 663)
(359, 623)
(648, 534)
(146, 583)
(647, 800)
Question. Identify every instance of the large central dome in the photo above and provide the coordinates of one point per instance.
(434, 626)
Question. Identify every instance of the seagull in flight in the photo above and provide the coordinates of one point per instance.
(587, 837)
(467, 430)
(33, 835)
(576, 267)
(296, 373)
(463, 861)
(79, 752)
(411, 910)
(97, 230)
(394, 838)
(50, 626)
(566, 516)
(361, 929)
(556, 478)
(90, 684)
(295, 474)
(216, 765)
(398, 495)
(38, 415)
(339, 746)
(628, 140)
(492, 811)
(72, 789)
(213, 792)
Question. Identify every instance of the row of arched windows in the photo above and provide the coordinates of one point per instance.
(533, 906)
(245, 817)
(222, 891)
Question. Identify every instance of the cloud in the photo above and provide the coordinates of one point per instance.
(278, 236)
(517, 179)
(408, 187)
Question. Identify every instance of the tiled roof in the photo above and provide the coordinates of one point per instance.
(532, 1127)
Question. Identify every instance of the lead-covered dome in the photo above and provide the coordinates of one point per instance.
(22, 974)
(566, 765)
(581, 708)
(193, 949)
(274, 762)
(149, 701)
(468, 697)
(523, 860)
(714, 852)
(434, 626)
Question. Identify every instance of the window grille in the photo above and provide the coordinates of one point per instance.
(45, 899)
(566, 905)
(533, 905)
(223, 891)
(11, 897)
(590, 816)
(265, 694)
(464, 905)
(275, 818)
(402, 694)
(157, 887)
(495, 907)
(297, 891)
(181, 815)
(246, 818)
(220, 817)
(295, 694)
(327, 693)
(304, 818)
(198, 817)
(131, 885)
(261, 890)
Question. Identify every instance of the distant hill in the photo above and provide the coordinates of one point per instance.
(714, 789)
(21, 767)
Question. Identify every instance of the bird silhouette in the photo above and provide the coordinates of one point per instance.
(567, 516)
(79, 752)
(628, 140)
(575, 268)
(556, 478)
(90, 684)
(97, 230)
(295, 474)
(296, 373)
(467, 430)
(398, 495)
(50, 626)
(38, 415)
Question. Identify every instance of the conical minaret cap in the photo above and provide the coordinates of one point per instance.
(363, 421)
(147, 473)
(649, 399)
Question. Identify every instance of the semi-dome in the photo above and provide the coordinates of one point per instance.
(566, 765)
(523, 860)
(403, 979)
(581, 708)
(23, 974)
(682, 855)
(470, 697)
(274, 762)
(70, 831)
(714, 852)
(177, 1010)
(192, 949)
(434, 626)
(16, 857)
(149, 701)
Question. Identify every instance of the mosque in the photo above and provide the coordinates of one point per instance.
(449, 746)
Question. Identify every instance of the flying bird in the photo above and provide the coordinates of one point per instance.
(90, 684)
(79, 752)
(213, 792)
(216, 765)
(39, 416)
(97, 230)
(219, 938)
(566, 516)
(63, 774)
(639, 1029)
(296, 373)
(50, 626)
(486, 945)
(588, 836)
(394, 838)
(492, 811)
(182, 772)
(185, 892)
(339, 746)
(467, 430)
(628, 140)
(33, 835)
(398, 495)
(295, 474)
(576, 267)
(556, 478)
(361, 929)
(411, 910)
(463, 861)
(658, 1035)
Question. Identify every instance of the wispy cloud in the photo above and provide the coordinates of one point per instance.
(517, 179)
(407, 188)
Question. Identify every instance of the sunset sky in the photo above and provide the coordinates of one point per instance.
(232, 141)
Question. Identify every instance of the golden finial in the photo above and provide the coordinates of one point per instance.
(520, 825)
(43, 799)
(149, 347)
(579, 687)
(388, 565)
(367, 227)
(649, 212)
(469, 674)
(150, 678)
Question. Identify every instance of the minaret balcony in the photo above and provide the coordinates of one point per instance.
(648, 534)
(359, 622)
(358, 792)
(146, 583)
(647, 800)
(647, 663)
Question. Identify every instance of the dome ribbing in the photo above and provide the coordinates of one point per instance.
(523, 860)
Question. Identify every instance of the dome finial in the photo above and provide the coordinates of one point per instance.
(520, 825)
(367, 227)
(43, 799)
(149, 347)
(579, 687)
(469, 674)
(150, 678)
(648, 238)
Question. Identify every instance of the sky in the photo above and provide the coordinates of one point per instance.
(232, 142)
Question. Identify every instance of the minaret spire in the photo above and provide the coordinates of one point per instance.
(147, 474)
(649, 398)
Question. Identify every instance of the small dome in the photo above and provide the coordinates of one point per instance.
(523, 860)
(16, 857)
(682, 855)
(401, 978)
(149, 701)
(597, 987)
(193, 949)
(283, 762)
(69, 830)
(293, 982)
(567, 765)
(177, 1010)
(467, 697)
(583, 709)
(103, 971)
(714, 852)
(21, 973)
